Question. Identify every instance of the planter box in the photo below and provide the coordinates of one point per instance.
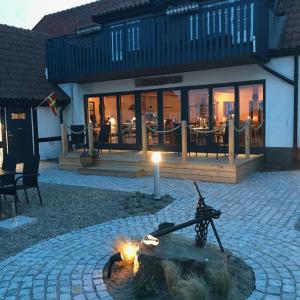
(86, 161)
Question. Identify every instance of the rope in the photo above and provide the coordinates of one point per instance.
(76, 132)
(163, 131)
(257, 128)
(240, 130)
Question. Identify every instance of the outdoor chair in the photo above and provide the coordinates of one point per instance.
(104, 137)
(28, 179)
(9, 165)
(213, 142)
(77, 137)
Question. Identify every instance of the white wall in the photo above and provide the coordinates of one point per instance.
(279, 94)
(48, 126)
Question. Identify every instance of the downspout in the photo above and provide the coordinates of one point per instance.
(296, 105)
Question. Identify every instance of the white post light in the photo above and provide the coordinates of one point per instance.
(156, 159)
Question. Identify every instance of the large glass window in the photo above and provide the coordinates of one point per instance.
(94, 115)
(251, 107)
(110, 116)
(223, 108)
(171, 114)
(198, 115)
(128, 119)
(149, 110)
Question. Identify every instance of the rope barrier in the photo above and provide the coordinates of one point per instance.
(75, 132)
(257, 128)
(240, 130)
(163, 131)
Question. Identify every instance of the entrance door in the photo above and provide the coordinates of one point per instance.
(19, 132)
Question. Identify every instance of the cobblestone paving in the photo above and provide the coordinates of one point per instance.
(257, 224)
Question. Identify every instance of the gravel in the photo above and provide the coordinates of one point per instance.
(68, 208)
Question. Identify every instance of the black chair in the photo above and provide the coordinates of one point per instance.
(211, 141)
(104, 137)
(77, 137)
(28, 179)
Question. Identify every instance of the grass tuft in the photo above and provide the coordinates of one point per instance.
(192, 288)
(221, 280)
(172, 273)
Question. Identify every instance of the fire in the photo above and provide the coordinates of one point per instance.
(128, 250)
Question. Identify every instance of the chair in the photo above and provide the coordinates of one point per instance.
(104, 137)
(28, 179)
(224, 143)
(77, 137)
(9, 164)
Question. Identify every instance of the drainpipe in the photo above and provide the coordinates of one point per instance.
(296, 105)
(61, 115)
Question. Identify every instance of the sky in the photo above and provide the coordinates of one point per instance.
(27, 13)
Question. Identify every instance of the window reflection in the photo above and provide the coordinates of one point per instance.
(94, 115)
(223, 109)
(198, 115)
(110, 116)
(251, 107)
(149, 110)
(128, 119)
(171, 115)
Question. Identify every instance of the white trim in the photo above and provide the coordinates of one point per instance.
(6, 134)
(32, 130)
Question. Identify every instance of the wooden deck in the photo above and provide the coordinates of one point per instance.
(132, 164)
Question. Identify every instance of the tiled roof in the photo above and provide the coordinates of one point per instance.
(290, 37)
(22, 66)
(68, 21)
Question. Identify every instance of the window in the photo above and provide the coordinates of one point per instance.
(17, 116)
(133, 35)
(194, 27)
(117, 43)
(128, 119)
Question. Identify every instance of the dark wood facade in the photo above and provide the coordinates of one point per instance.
(177, 39)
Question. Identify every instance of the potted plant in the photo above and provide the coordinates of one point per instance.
(87, 159)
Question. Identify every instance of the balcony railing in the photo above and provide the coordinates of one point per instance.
(220, 32)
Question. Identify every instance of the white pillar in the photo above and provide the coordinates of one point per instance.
(231, 141)
(183, 140)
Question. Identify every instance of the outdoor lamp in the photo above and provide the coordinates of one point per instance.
(156, 158)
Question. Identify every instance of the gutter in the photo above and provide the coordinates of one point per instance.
(296, 105)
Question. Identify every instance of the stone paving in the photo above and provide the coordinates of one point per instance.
(257, 224)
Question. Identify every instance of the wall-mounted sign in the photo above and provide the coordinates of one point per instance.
(154, 81)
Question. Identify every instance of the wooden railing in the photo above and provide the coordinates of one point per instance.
(210, 33)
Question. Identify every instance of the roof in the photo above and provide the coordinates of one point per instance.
(68, 21)
(22, 67)
(290, 37)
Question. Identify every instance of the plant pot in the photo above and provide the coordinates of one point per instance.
(86, 161)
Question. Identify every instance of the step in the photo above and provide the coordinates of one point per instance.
(118, 171)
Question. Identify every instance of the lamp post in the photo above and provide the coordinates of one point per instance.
(156, 158)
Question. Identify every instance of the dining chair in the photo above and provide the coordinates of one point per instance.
(104, 137)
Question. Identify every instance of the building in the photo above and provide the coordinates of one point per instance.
(26, 128)
(199, 61)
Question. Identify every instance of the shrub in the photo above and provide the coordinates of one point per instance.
(172, 273)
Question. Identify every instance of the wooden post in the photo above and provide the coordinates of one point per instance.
(184, 140)
(64, 139)
(90, 137)
(247, 139)
(144, 137)
(231, 141)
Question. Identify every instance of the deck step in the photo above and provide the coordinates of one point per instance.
(118, 171)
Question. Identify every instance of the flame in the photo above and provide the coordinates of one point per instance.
(128, 250)
(136, 265)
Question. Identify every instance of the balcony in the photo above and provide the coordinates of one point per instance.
(176, 40)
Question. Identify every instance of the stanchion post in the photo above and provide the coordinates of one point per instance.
(90, 137)
(144, 137)
(247, 139)
(184, 140)
(231, 141)
(64, 147)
